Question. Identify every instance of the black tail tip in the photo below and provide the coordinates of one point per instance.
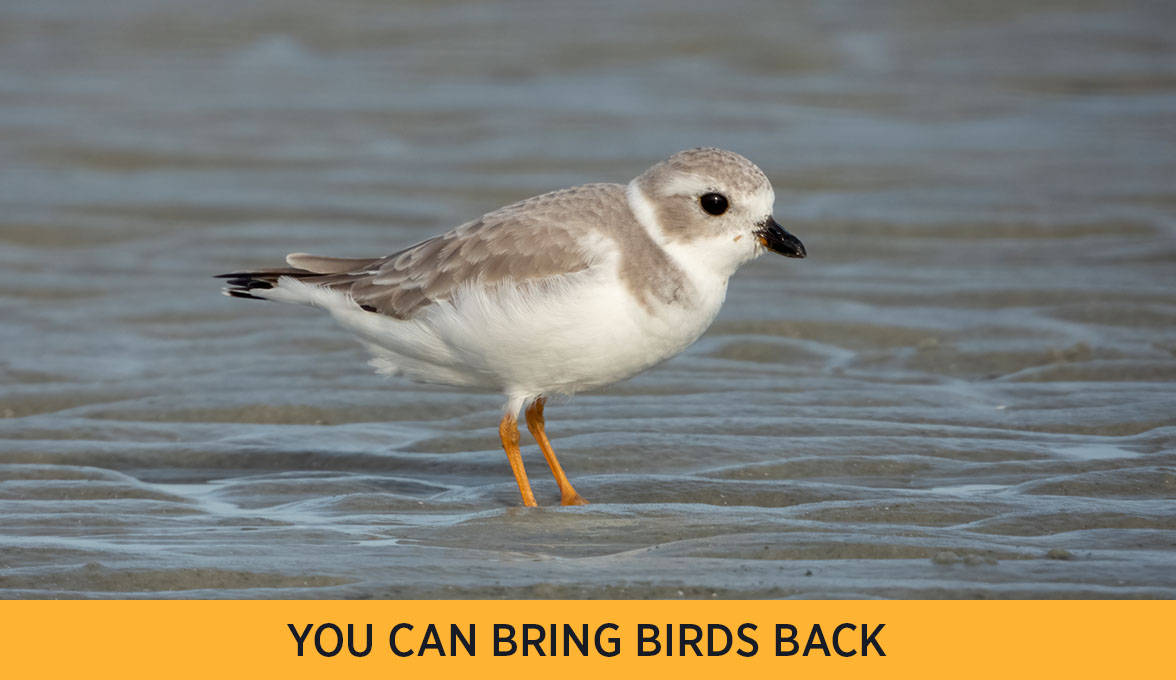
(233, 292)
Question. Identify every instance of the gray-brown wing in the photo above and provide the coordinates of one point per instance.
(540, 237)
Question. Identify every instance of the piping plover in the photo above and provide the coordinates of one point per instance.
(567, 291)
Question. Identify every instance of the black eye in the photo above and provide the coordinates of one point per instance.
(714, 204)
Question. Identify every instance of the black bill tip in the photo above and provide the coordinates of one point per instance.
(777, 239)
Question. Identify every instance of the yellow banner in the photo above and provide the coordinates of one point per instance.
(615, 639)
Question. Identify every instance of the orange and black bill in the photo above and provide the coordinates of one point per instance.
(776, 239)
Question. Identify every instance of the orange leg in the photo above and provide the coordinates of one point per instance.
(508, 431)
(535, 422)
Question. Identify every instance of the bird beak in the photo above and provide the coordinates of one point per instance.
(776, 239)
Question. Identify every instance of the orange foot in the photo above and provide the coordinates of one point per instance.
(573, 499)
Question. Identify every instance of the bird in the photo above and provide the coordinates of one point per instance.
(567, 291)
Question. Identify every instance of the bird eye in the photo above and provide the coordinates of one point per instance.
(713, 204)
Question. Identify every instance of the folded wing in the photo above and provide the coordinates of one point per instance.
(518, 243)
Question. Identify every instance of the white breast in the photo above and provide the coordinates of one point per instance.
(585, 330)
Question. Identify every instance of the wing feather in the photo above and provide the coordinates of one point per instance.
(541, 237)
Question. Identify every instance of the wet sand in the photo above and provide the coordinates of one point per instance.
(968, 390)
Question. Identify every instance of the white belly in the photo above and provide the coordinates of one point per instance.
(584, 332)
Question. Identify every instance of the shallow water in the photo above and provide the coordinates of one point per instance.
(967, 390)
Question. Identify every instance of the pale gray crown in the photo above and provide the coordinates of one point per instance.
(731, 170)
(675, 185)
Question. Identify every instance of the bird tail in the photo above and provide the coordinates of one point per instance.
(249, 285)
(311, 269)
